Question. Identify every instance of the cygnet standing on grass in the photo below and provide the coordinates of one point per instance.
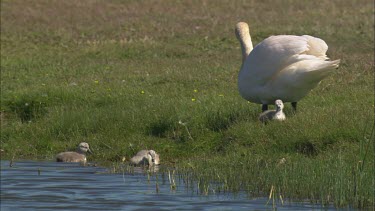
(78, 156)
(145, 157)
(277, 114)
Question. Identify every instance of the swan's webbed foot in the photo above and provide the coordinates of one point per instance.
(264, 107)
(294, 105)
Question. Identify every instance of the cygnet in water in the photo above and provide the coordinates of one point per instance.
(78, 156)
(277, 114)
(145, 157)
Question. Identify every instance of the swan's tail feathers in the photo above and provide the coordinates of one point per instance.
(321, 70)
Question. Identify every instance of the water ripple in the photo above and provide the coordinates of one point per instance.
(40, 185)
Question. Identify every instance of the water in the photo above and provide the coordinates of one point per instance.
(35, 185)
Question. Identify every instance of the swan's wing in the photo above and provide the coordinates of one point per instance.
(277, 52)
(296, 80)
(316, 47)
(142, 152)
(306, 73)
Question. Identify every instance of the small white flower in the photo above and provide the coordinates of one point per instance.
(181, 123)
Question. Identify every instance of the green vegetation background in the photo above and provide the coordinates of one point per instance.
(162, 75)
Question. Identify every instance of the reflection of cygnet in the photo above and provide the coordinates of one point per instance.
(78, 156)
(277, 114)
(146, 157)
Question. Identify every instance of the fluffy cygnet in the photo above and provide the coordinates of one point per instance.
(277, 114)
(78, 156)
(146, 157)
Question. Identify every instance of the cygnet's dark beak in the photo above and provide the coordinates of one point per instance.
(89, 150)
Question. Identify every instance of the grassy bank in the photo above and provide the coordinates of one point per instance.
(130, 75)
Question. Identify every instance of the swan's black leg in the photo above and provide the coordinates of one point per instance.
(294, 105)
(264, 107)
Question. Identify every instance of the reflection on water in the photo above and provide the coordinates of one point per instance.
(30, 185)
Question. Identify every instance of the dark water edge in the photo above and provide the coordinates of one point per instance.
(41, 185)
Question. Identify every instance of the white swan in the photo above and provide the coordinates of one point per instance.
(78, 156)
(146, 157)
(277, 114)
(282, 67)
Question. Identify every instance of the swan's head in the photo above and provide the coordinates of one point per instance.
(84, 147)
(242, 30)
(279, 104)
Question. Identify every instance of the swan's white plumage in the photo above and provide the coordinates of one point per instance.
(282, 67)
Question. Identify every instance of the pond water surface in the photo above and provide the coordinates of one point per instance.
(35, 185)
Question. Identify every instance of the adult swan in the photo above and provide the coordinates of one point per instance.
(282, 67)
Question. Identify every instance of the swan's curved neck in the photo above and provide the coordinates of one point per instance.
(243, 35)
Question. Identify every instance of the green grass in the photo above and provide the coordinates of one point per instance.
(131, 75)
